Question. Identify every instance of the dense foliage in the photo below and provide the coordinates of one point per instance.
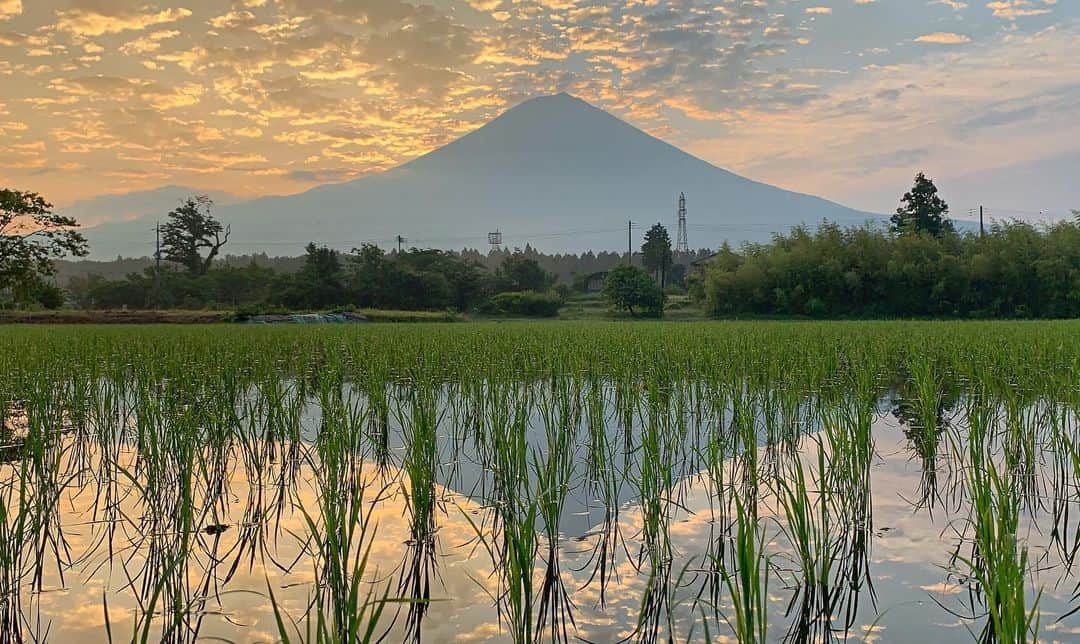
(631, 289)
(1015, 270)
(191, 231)
(656, 253)
(416, 279)
(524, 304)
(568, 268)
(31, 237)
(922, 210)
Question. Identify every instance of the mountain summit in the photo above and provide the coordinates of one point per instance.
(554, 172)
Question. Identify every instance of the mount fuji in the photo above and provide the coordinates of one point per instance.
(554, 172)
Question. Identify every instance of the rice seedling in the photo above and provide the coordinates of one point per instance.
(811, 528)
(421, 422)
(179, 469)
(748, 580)
(998, 561)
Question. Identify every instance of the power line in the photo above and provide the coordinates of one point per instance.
(441, 239)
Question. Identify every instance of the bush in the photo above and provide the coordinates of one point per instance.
(524, 303)
(33, 293)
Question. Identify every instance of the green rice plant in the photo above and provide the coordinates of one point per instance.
(148, 442)
(342, 611)
(655, 483)
(553, 475)
(748, 582)
(999, 562)
(810, 527)
(604, 480)
(341, 534)
(513, 542)
(421, 421)
(17, 522)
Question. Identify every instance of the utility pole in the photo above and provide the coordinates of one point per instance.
(400, 240)
(630, 243)
(157, 259)
(981, 230)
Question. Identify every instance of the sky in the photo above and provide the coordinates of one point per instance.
(845, 99)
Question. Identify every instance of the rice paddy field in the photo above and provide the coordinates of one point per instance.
(520, 482)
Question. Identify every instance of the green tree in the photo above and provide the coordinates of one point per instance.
(31, 237)
(465, 279)
(629, 288)
(521, 273)
(922, 210)
(192, 229)
(656, 253)
(320, 283)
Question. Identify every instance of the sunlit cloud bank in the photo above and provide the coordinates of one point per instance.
(842, 98)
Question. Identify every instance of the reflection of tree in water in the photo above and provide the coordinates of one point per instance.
(13, 430)
(924, 426)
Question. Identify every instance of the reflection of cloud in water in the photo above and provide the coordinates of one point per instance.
(908, 559)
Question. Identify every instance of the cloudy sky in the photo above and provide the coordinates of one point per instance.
(845, 99)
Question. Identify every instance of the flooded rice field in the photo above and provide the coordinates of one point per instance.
(752, 482)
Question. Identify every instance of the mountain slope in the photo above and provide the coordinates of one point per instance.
(555, 172)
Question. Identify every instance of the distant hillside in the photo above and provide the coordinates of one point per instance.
(554, 172)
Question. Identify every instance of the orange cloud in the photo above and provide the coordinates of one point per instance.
(944, 38)
(91, 23)
(10, 9)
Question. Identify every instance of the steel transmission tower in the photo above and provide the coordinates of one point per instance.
(682, 247)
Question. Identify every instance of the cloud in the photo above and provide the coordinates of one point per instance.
(15, 39)
(362, 85)
(85, 22)
(1013, 9)
(10, 8)
(944, 38)
(994, 117)
(147, 44)
(326, 175)
(902, 158)
(955, 5)
(116, 89)
(981, 112)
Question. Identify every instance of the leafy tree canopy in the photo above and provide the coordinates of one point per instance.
(320, 283)
(31, 237)
(521, 273)
(922, 210)
(629, 288)
(192, 229)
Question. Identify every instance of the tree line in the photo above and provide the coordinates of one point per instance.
(187, 275)
(368, 277)
(919, 267)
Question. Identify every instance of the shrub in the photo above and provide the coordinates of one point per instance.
(524, 303)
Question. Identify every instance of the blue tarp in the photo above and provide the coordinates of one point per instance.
(308, 318)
